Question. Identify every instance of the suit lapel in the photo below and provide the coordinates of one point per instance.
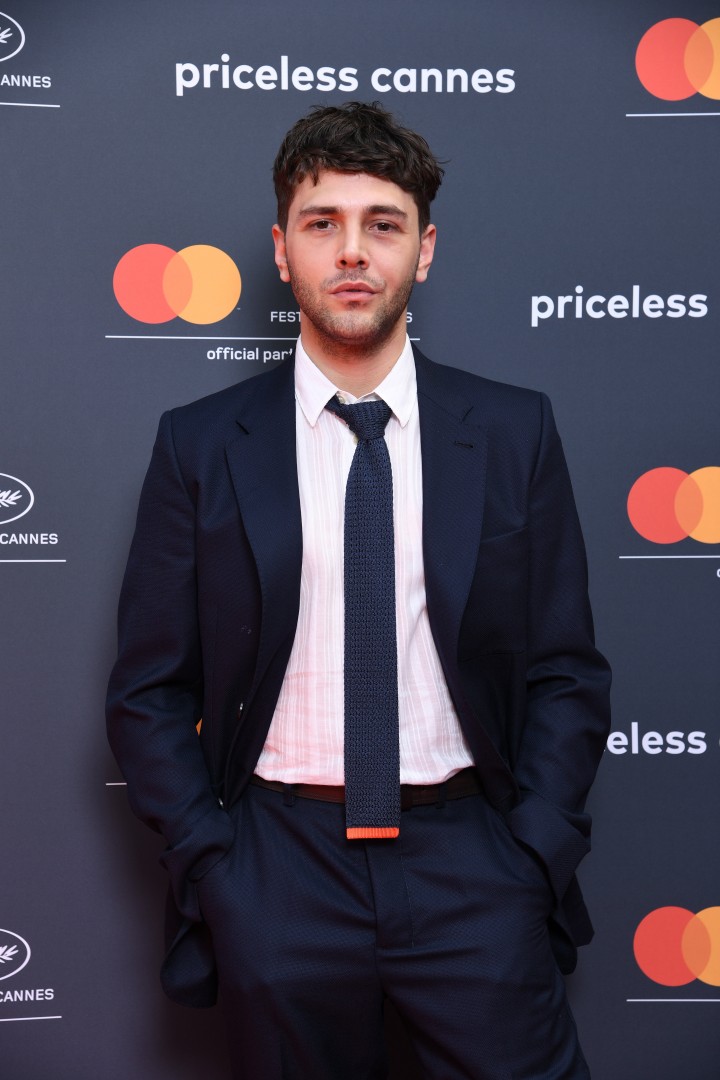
(453, 440)
(262, 462)
(454, 456)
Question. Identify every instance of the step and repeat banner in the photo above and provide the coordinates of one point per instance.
(578, 231)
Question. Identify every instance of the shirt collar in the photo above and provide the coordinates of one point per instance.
(398, 389)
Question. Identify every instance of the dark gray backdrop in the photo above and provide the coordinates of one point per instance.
(549, 186)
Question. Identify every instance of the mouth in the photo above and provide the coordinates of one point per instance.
(352, 290)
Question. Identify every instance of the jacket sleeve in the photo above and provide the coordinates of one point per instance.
(156, 688)
(568, 681)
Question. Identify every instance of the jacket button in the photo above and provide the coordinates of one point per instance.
(241, 706)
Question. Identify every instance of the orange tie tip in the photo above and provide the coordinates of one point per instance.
(373, 832)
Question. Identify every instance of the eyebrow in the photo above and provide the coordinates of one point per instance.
(387, 210)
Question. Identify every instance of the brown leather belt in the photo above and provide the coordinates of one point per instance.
(459, 786)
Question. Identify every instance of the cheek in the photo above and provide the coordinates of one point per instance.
(399, 270)
(308, 266)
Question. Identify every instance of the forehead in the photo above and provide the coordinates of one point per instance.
(350, 192)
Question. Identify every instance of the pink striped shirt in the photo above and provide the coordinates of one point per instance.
(305, 740)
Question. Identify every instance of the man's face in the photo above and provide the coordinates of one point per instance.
(352, 252)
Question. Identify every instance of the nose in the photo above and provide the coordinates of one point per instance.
(352, 251)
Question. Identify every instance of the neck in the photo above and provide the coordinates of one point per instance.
(360, 368)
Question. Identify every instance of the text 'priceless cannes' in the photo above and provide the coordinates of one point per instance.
(226, 74)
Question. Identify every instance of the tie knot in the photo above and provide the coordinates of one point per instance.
(366, 419)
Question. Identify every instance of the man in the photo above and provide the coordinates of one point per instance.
(386, 796)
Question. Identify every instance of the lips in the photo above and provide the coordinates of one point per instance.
(352, 290)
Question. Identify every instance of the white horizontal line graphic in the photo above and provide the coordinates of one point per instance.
(192, 337)
(643, 114)
(29, 104)
(16, 1019)
(195, 337)
(690, 1001)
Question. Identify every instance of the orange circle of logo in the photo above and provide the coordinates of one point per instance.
(673, 947)
(676, 58)
(667, 505)
(200, 284)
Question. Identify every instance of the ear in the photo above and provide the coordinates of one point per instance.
(280, 252)
(427, 250)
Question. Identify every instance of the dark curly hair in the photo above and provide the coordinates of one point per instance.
(356, 138)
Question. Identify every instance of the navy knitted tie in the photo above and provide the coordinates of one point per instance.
(372, 749)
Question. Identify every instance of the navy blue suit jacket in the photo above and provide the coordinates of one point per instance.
(209, 609)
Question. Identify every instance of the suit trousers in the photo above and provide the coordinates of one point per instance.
(312, 932)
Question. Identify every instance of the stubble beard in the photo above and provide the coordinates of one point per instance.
(351, 332)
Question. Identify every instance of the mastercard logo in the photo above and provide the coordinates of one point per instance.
(200, 284)
(673, 947)
(667, 505)
(676, 58)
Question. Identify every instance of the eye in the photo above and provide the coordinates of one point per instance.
(384, 226)
(322, 225)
